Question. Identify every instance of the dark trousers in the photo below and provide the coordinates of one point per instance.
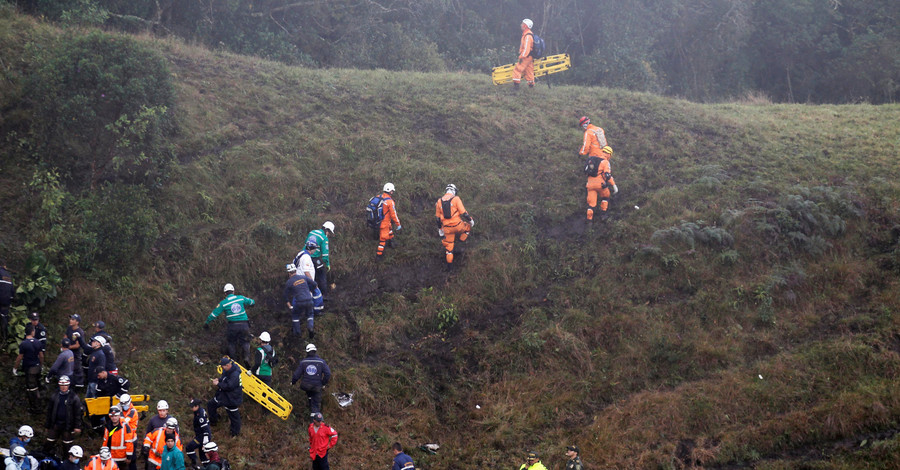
(234, 415)
(58, 440)
(193, 448)
(320, 463)
(33, 387)
(237, 335)
(313, 398)
(322, 276)
(266, 379)
(4, 322)
(301, 311)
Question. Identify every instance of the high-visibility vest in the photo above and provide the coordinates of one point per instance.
(120, 440)
(156, 440)
(97, 464)
(132, 416)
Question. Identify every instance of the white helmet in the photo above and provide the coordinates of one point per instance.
(64, 380)
(210, 447)
(104, 453)
(389, 187)
(451, 188)
(100, 340)
(291, 268)
(76, 451)
(229, 287)
(125, 400)
(264, 336)
(310, 347)
(171, 423)
(26, 431)
(528, 23)
(328, 225)
(162, 405)
(19, 452)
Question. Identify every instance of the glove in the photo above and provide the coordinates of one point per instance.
(206, 326)
(441, 232)
(615, 189)
(205, 439)
(15, 372)
(399, 228)
(47, 379)
(471, 221)
(329, 268)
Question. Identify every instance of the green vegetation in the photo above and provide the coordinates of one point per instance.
(739, 308)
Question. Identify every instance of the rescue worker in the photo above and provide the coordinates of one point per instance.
(111, 366)
(532, 462)
(202, 433)
(64, 414)
(158, 421)
(7, 292)
(264, 359)
(101, 461)
(313, 374)
(100, 330)
(389, 209)
(237, 335)
(524, 63)
(20, 460)
(31, 358)
(321, 256)
(304, 260)
(156, 441)
(401, 460)
(321, 439)
(22, 438)
(212, 453)
(574, 462)
(133, 417)
(118, 436)
(74, 456)
(64, 364)
(594, 145)
(172, 457)
(452, 219)
(96, 364)
(40, 331)
(229, 394)
(109, 385)
(298, 296)
(79, 348)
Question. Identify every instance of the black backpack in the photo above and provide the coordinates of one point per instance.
(537, 49)
(375, 211)
(592, 166)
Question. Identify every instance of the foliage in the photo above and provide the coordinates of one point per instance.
(39, 284)
(690, 233)
(101, 110)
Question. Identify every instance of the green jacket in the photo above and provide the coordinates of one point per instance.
(172, 459)
(537, 466)
(322, 240)
(234, 306)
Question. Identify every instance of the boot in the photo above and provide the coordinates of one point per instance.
(312, 334)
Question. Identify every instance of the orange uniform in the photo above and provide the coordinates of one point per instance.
(525, 64)
(156, 441)
(97, 464)
(598, 186)
(390, 216)
(452, 206)
(594, 141)
(120, 439)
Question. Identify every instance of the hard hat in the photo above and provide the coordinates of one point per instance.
(607, 149)
(229, 288)
(104, 453)
(528, 23)
(125, 400)
(100, 340)
(26, 431)
(171, 423)
(64, 380)
(162, 405)
(389, 187)
(264, 336)
(310, 347)
(210, 447)
(66, 342)
(115, 410)
(584, 121)
(451, 188)
(76, 451)
(328, 225)
(290, 268)
(311, 244)
(19, 451)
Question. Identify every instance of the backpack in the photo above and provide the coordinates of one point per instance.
(592, 166)
(537, 49)
(225, 465)
(447, 208)
(375, 211)
(270, 356)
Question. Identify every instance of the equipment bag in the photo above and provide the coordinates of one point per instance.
(592, 166)
(537, 49)
(375, 211)
(447, 208)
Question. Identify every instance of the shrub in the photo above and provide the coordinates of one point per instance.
(690, 233)
(102, 110)
(119, 225)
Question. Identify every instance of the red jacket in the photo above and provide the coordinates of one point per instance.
(321, 440)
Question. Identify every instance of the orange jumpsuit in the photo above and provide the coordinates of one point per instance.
(594, 141)
(526, 62)
(97, 464)
(156, 441)
(455, 224)
(599, 186)
(390, 215)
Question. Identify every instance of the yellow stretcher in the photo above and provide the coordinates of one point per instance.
(263, 394)
(100, 406)
(543, 66)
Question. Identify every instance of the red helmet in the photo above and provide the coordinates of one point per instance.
(584, 121)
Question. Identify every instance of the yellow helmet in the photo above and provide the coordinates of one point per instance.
(607, 149)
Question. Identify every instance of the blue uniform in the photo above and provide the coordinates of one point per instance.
(403, 462)
(313, 374)
(298, 292)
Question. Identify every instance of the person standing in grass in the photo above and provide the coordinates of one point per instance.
(313, 374)
(389, 216)
(452, 219)
(532, 462)
(321, 439)
(298, 296)
(264, 359)
(600, 179)
(321, 255)
(401, 460)
(31, 358)
(574, 462)
(237, 334)
(172, 457)
(524, 62)
(229, 394)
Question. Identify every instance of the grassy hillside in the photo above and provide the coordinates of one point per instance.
(738, 310)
